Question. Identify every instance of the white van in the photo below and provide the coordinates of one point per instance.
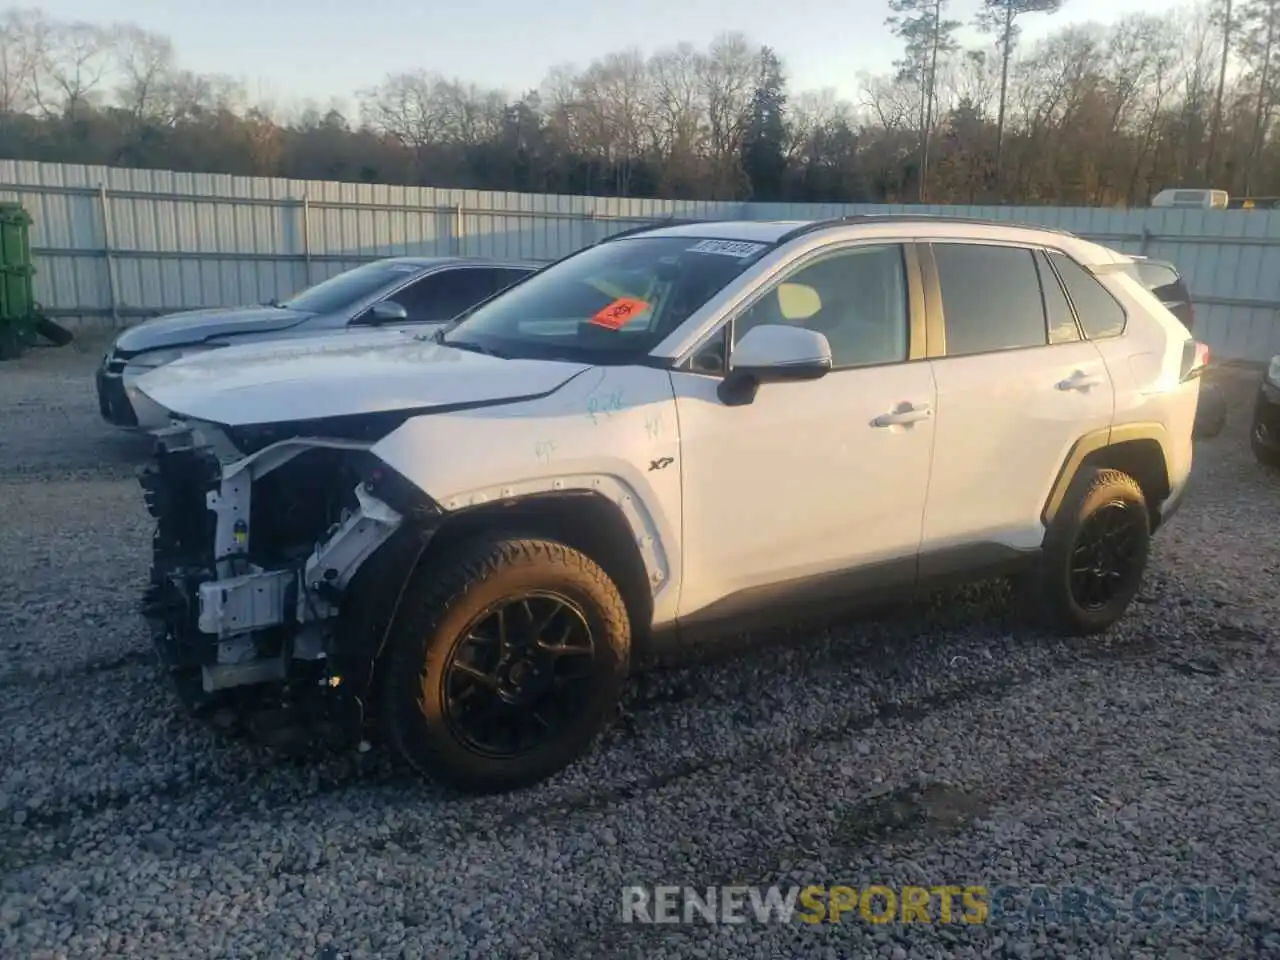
(1198, 199)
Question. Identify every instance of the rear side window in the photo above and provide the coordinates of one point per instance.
(443, 295)
(1163, 282)
(990, 298)
(1100, 315)
(505, 277)
(1155, 275)
(1057, 309)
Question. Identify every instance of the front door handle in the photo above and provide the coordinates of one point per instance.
(1079, 380)
(905, 414)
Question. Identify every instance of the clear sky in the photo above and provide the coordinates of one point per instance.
(292, 50)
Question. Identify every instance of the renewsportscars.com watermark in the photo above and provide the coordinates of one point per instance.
(999, 906)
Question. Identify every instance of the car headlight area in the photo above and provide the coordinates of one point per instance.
(158, 358)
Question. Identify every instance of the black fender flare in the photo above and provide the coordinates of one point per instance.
(1089, 446)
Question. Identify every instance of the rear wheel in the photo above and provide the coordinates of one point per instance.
(506, 662)
(1095, 554)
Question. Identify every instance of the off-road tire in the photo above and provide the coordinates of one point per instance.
(441, 599)
(1045, 594)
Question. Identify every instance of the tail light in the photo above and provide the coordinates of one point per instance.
(1195, 357)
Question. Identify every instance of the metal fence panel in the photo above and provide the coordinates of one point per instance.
(112, 245)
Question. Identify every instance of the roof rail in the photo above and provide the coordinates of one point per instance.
(869, 218)
(651, 225)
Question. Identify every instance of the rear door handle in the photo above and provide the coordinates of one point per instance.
(1079, 380)
(904, 414)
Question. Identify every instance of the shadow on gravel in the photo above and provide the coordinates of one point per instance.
(886, 812)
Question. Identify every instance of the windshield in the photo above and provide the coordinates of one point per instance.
(350, 286)
(611, 303)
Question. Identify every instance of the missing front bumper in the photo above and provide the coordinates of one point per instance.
(212, 610)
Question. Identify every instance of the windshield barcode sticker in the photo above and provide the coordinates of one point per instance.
(727, 248)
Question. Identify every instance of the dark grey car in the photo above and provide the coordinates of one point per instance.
(394, 292)
(1164, 281)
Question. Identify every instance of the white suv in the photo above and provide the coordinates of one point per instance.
(682, 428)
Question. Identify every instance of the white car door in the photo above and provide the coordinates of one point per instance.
(1017, 387)
(815, 489)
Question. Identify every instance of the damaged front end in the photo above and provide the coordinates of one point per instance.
(276, 572)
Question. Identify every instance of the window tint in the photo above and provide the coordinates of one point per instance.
(1155, 275)
(1057, 310)
(608, 303)
(990, 298)
(856, 298)
(506, 276)
(343, 290)
(1100, 315)
(1163, 282)
(444, 295)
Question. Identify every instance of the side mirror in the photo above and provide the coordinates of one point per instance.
(773, 353)
(386, 311)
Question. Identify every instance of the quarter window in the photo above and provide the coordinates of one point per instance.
(1100, 314)
(856, 298)
(991, 298)
(1057, 309)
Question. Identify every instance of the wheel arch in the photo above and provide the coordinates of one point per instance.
(1139, 449)
(585, 520)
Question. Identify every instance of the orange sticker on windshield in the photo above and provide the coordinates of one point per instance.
(619, 313)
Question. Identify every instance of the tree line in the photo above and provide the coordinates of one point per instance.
(1089, 115)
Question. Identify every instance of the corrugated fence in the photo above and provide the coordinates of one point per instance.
(113, 245)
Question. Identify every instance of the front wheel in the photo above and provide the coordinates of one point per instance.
(1095, 554)
(507, 660)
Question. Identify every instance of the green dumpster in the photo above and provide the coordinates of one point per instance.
(20, 317)
(17, 305)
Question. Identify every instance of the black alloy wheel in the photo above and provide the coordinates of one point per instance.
(1106, 559)
(519, 675)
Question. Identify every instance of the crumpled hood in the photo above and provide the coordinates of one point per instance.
(195, 326)
(342, 375)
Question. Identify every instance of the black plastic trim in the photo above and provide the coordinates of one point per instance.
(848, 591)
(1090, 444)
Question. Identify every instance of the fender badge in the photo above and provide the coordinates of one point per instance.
(660, 463)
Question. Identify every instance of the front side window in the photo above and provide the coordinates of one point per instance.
(991, 298)
(1099, 312)
(856, 298)
(611, 303)
(346, 289)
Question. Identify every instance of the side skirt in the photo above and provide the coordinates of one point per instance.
(843, 592)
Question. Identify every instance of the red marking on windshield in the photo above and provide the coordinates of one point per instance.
(619, 313)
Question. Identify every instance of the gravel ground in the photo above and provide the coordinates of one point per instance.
(939, 745)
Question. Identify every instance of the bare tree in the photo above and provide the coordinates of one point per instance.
(1260, 45)
(727, 83)
(146, 65)
(679, 118)
(21, 35)
(74, 60)
(891, 102)
(1000, 17)
(1221, 14)
(929, 37)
